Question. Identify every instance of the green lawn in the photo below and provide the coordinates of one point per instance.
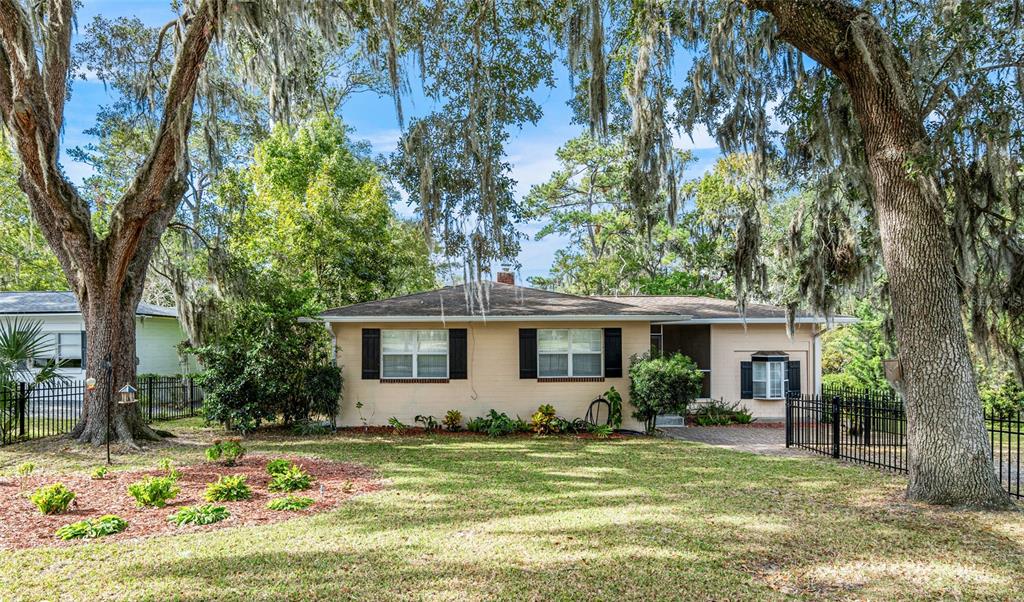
(528, 518)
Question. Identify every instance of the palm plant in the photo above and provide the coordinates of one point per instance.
(21, 343)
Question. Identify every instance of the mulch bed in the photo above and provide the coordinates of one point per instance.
(420, 431)
(22, 526)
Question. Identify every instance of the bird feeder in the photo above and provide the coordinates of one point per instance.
(90, 384)
(126, 395)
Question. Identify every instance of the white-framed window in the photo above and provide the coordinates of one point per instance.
(414, 353)
(769, 379)
(570, 352)
(65, 347)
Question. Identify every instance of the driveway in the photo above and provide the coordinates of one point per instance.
(767, 439)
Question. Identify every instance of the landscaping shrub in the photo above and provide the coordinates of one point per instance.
(107, 524)
(228, 488)
(602, 431)
(453, 420)
(1003, 397)
(276, 467)
(230, 451)
(290, 503)
(496, 425)
(398, 426)
(662, 385)
(720, 413)
(266, 365)
(429, 423)
(614, 399)
(207, 514)
(52, 499)
(291, 479)
(167, 465)
(98, 473)
(154, 491)
(544, 420)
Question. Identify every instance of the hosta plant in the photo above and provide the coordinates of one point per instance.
(291, 479)
(207, 514)
(52, 499)
(290, 503)
(108, 524)
(154, 492)
(228, 488)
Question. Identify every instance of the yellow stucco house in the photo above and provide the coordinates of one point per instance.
(511, 348)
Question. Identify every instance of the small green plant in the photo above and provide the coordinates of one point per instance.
(276, 467)
(107, 524)
(397, 425)
(291, 479)
(290, 503)
(602, 431)
(614, 399)
(207, 514)
(25, 469)
(99, 473)
(52, 499)
(153, 492)
(228, 488)
(306, 428)
(229, 451)
(719, 413)
(544, 421)
(429, 423)
(496, 425)
(167, 465)
(364, 419)
(743, 416)
(453, 421)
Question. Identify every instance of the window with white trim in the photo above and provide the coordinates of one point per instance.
(414, 353)
(64, 347)
(769, 379)
(570, 352)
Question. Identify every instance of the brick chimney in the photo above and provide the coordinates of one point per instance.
(505, 275)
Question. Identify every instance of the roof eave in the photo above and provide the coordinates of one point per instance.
(804, 320)
(520, 318)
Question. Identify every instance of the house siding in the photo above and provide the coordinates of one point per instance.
(732, 344)
(492, 380)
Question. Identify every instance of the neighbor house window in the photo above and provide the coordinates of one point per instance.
(65, 347)
(569, 352)
(414, 354)
(769, 379)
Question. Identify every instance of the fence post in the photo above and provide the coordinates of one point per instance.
(22, 394)
(191, 397)
(835, 426)
(149, 396)
(868, 403)
(789, 421)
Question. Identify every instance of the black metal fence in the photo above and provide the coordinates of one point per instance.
(870, 427)
(54, 408)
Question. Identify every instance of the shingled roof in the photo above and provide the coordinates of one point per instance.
(493, 300)
(490, 300)
(63, 302)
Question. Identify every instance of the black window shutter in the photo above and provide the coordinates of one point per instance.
(527, 353)
(746, 380)
(793, 376)
(371, 353)
(457, 360)
(83, 350)
(613, 352)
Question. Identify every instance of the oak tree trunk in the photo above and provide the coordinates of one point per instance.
(949, 453)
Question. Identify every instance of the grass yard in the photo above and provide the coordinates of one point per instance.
(545, 518)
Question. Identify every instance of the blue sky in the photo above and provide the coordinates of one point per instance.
(531, 150)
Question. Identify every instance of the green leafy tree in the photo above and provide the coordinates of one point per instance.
(26, 262)
(852, 355)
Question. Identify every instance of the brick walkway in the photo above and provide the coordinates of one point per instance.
(766, 440)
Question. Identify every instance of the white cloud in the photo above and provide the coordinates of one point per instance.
(383, 141)
(702, 139)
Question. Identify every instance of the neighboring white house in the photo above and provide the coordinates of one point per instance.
(157, 331)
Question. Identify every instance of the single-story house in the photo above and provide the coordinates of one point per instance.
(511, 348)
(157, 332)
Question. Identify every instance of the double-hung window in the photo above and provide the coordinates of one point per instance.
(769, 379)
(63, 347)
(414, 354)
(569, 352)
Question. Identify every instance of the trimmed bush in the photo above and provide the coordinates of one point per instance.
(154, 492)
(207, 514)
(52, 499)
(290, 503)
(228, 488)
(108, 524)
(662, 385)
